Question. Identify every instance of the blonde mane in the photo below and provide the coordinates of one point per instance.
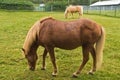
(31, 36)
(32, 33)
(46, 18)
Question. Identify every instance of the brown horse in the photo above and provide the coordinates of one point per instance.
(51, 33)
(73, 9)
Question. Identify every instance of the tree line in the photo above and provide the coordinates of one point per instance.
(49, 4)
(73, 2)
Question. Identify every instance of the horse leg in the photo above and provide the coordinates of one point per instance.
(94, 61)
(79, 14)
(44, 56)
(52, 56)
(85, 51)
(72, 14)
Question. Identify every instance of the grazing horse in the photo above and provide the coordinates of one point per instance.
(73, 9)
(51, 33)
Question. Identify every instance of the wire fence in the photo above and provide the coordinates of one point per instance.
(45, 8)
(113, 11)
(103, 10)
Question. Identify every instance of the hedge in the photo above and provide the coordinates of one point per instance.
(16, 5)
(56, 5)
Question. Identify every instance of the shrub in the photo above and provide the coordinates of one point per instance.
(16, 5)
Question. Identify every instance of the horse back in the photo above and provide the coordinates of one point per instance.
(69, 34)
(59, 33)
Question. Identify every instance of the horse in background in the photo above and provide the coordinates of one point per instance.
(73, 9)
(51, 33)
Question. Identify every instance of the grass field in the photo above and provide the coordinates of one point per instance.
(13, 29)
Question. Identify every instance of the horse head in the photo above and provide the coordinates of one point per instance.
(31, 57)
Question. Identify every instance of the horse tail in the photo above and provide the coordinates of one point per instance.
(99, 49)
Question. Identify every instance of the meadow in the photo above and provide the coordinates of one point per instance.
(14, 26)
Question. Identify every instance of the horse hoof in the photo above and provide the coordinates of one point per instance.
(32, 69)
(54, 74)
(43, 68)
(74, 76)
(91, 73)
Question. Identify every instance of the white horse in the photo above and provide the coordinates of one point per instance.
(73, 9)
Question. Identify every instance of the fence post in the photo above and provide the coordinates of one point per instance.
(51, 8)
(87, 9)
(115, 11)
(100, 10)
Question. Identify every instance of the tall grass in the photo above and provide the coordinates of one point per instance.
(13, 29)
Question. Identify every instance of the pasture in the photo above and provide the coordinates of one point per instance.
(13, 66)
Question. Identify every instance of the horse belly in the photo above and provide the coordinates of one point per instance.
(67, 43)
(67, 46)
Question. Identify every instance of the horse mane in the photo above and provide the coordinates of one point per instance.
(31, 37)
(46, 18)
(32, 34)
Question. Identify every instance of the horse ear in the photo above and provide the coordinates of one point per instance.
(23, 50)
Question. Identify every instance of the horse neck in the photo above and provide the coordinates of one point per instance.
(31, 38)
(33, 48)
(66, 12)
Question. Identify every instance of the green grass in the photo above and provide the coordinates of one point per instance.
(13, 29)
